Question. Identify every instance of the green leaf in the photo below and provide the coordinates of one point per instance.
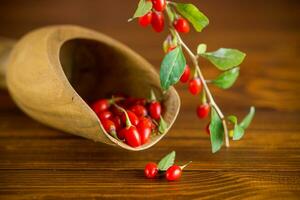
(239, 129)
(238, 132)
(247, 120)
(172, 68)
(227, 79)
(143, 8)
(162, 125)
(216, 131)
(225, 59)
(232, 119)
(167, 161)
(191, 13)
(201, 49)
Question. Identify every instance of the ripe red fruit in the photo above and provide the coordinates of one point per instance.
(159, 5)
(182, 26)
(132, 117)
(139, 110)
(146, 122)
(195, 86)
(108, 125)
(104, 115)
(146, 19)
(155, 110)
(203, 110)
(140, 101)
(173, 173)
(100, 106)
(144, 131)
(129, 102)
(186, 74)
(132, 137)
(118, 122)
(121, 134)
(158, 21)
(151, 170)
(207, 128)
(116, 111)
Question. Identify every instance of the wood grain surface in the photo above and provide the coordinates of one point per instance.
(37, 162)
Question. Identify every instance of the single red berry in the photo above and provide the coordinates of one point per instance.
(121, 134)
(146, 19)
(207, 128)
(144, 131)
(108, 125)
(151, 170)
(158, 21)
(155, 110)
(140, 101)
(146, 122)
(159, 5)
(132, 136)
(195, 86)
(116, 111)
(139, 110)
(105, 115)
(129, 102)
(186, 74)
(173, 173)
(100, 106)
(132, 117)
(182, 26)
(118, 122)
(203, 110)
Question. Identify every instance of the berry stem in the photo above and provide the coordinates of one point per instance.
(128, 123)
(194, 58)
(184, 166)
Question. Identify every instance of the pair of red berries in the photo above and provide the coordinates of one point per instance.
(136, 125)
(157, 20)
(195, 84)
(173, 173)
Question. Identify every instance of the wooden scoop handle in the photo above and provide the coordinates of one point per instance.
(6, 46)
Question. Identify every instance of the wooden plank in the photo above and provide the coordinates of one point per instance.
(53, 184)
(37, 162)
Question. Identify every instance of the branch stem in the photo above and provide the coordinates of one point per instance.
(209, 95)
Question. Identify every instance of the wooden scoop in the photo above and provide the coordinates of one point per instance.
(52, 72)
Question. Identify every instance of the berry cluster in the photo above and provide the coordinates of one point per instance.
(165, 167)
(156, 18)
(174, 67)
(129, 119)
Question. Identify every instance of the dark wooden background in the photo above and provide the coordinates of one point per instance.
(37, 162)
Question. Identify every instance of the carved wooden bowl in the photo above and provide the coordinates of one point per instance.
(52, 73)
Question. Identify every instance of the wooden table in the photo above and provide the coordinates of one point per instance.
(37, 162)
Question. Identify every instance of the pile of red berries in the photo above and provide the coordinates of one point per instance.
(157, 20)
(131, 120)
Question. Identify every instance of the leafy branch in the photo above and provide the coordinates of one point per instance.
(174, 64)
